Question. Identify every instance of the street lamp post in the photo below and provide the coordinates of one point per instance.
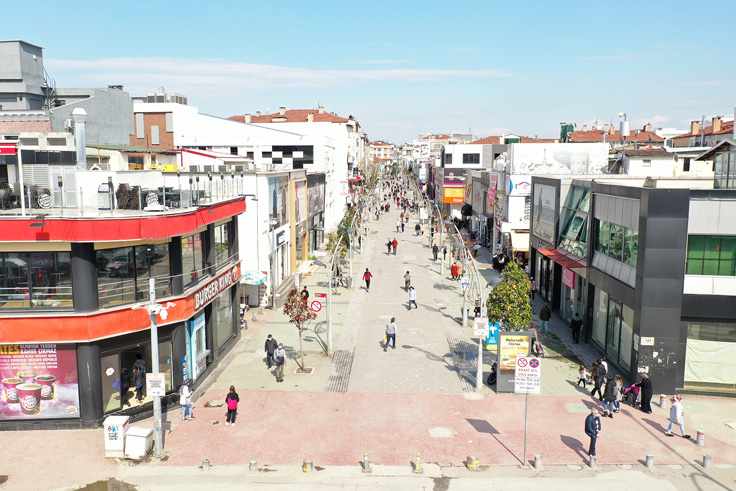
(329, 292)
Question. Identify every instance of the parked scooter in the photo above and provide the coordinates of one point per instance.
(491, 380)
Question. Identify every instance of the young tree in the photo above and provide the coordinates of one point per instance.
(300, 314)
(508, 302)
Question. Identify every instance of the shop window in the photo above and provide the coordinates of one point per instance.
(708, 358)
(153, 263)
(192, 253)
(135, 162)
(224, 318)
(600, 317)
(116, 276)
(115, 383)
(39, 280)
(616, 243)
(222, 244)
(711, 255)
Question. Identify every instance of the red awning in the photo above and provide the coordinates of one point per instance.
(561, 258)
(355, 179)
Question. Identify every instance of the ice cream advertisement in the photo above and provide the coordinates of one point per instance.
(38, 381)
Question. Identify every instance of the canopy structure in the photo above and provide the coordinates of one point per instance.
(561, 257)
(253, 277)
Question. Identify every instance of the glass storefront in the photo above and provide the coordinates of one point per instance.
(613, 328)
(222, 244)
(617, 242)
(192, 257)
(710, 355)
(35, 280)
(224, 326)
(711, 255)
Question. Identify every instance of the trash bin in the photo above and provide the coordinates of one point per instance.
(350, 281)
(138, 442)
(104, 197)
(115, 429)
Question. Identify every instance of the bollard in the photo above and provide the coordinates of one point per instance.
(205, 465)
(701, 439)
(253, 466)
(537, 462)
(307, 466)
(593, 462)
(649, 463)
(366, 463)
(662, 400)
(418, 465)
(473, 463)
(706, 461)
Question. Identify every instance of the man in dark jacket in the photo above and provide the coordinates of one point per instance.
(592, 428)
(435, 251)
(545, 315)
(576, 324)
(646, 393)
(270, 347)
(609, 396)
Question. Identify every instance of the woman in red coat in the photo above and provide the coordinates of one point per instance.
(453, 271)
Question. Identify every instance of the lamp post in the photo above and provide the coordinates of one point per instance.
(329, 292)
(60, 182)
(209, 176)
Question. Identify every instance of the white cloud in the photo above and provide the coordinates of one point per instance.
(655, 120)
(203, 77)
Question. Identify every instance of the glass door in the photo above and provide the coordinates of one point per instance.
(613, 331)
(113, 383)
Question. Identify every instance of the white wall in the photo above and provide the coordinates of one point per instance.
(635, 167)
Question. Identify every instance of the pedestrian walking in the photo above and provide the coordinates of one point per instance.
(646, 393)
(398, 224)
(232, 401)
(619, 393)
(417, 229)
(575, 325)
(139, 380)
(544, 315)
(270, 347)
(597, 381)
(394, 244)
(609, 397)
(453, 271)
(676, 416)
(360, 242)
(367, 278)
(407, 281)
(280, 357)
(391, 331)
(388, 245)
(185, 400)
(444, 252)
(305, 296)
(532, 287)
(581, 375)
(435, 252)
(592, 429)
(413, 298)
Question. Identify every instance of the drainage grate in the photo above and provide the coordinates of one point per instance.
(342, 364)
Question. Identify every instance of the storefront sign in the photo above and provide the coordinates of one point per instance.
(510, 345)
(39, 381)
(647, 341)
(8, 149)
(454, 195)
(492, 190)
(209, 292)
(568, 277)
(519, 185)
(453, 177)
(422, 173)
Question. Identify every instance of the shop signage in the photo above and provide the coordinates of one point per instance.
(156, 384)
(8, 149)
(492, 340)
(519, 185)
(454, 195)
(39, 381)
(510, 346)
(568, 277)
(528, 375)
(492, 189)
(647, 341)
(454, 177)
(210, 291)
(280, 237)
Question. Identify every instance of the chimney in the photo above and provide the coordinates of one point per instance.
(310, 117)
(79, 116)
(585, 127)
(321, 109)
(247, 118)
(282, 110)
(695, 128)
(611, 129)
(716, 125)
(258, 114)
(648, 127)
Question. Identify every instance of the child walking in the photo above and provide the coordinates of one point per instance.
(676, 414)
(231, 400)
(619, 393)
(582, 374)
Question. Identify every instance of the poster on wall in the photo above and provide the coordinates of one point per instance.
(277, 188)
(544, 212)
(39, 381)
(299, 201)
(510, 345)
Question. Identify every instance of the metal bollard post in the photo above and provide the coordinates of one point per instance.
(706, 461)
(307, 466)
(662, 400)
(593, 462)
(473, 463)
(537, 462)
(205, 465)
(418, 465)
(253, 466)
(366, 463)
(700, 441)
(649, 462)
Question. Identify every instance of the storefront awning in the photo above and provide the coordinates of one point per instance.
(561, 257)
(519, 241)
(253, 277)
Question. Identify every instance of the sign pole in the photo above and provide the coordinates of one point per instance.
(158, 433)
(526, 420)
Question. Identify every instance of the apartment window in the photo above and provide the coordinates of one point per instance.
(234, 150)
(711, 255)
(448, 159)
(617, 242)
(471, 158)
(646, 163)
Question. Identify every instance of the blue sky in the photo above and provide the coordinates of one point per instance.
(403, 68)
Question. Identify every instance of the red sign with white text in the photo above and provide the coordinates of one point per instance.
(8, 149)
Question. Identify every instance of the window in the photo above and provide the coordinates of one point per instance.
(646, 162)
(711, 255)
(192, 257)
(222, 250)
(233, 150)
(471, 158)
(116, 276)
(135, 162)
(224, 318)
(448, 159)
(35, 280)
(154, 263)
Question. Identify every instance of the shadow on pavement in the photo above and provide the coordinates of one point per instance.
(482, 426)
(580, 389)
(574, 444)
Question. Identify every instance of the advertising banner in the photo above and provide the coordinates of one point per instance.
(568, 277)
(422, 173)
(453, 177)
(519, 185)
(492, 189)
(39, 381)
(300, 201)
(510, 345)
(543, 212)
(492, 339)
(454, 195)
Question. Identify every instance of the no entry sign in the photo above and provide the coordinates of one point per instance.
(316, 306)
(528, 376)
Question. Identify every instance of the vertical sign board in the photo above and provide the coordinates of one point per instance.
(156, 384)
(528, 376)
(510, 345)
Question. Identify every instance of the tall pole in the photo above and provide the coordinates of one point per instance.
(329, 311)
(22, 182)
(158, 433)
(526, 421)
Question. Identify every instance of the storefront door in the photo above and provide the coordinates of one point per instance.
(613, 328)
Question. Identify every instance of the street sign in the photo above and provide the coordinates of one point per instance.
(528, 375)
(316, 306)
(480, 326)
(320, 295)
(8, 149)
(464, 283)
(156, 384)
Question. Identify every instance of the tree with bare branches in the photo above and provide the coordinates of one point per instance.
(300, 314)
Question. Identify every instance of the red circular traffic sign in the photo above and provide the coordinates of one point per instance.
(522, 362)
(316, 306)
